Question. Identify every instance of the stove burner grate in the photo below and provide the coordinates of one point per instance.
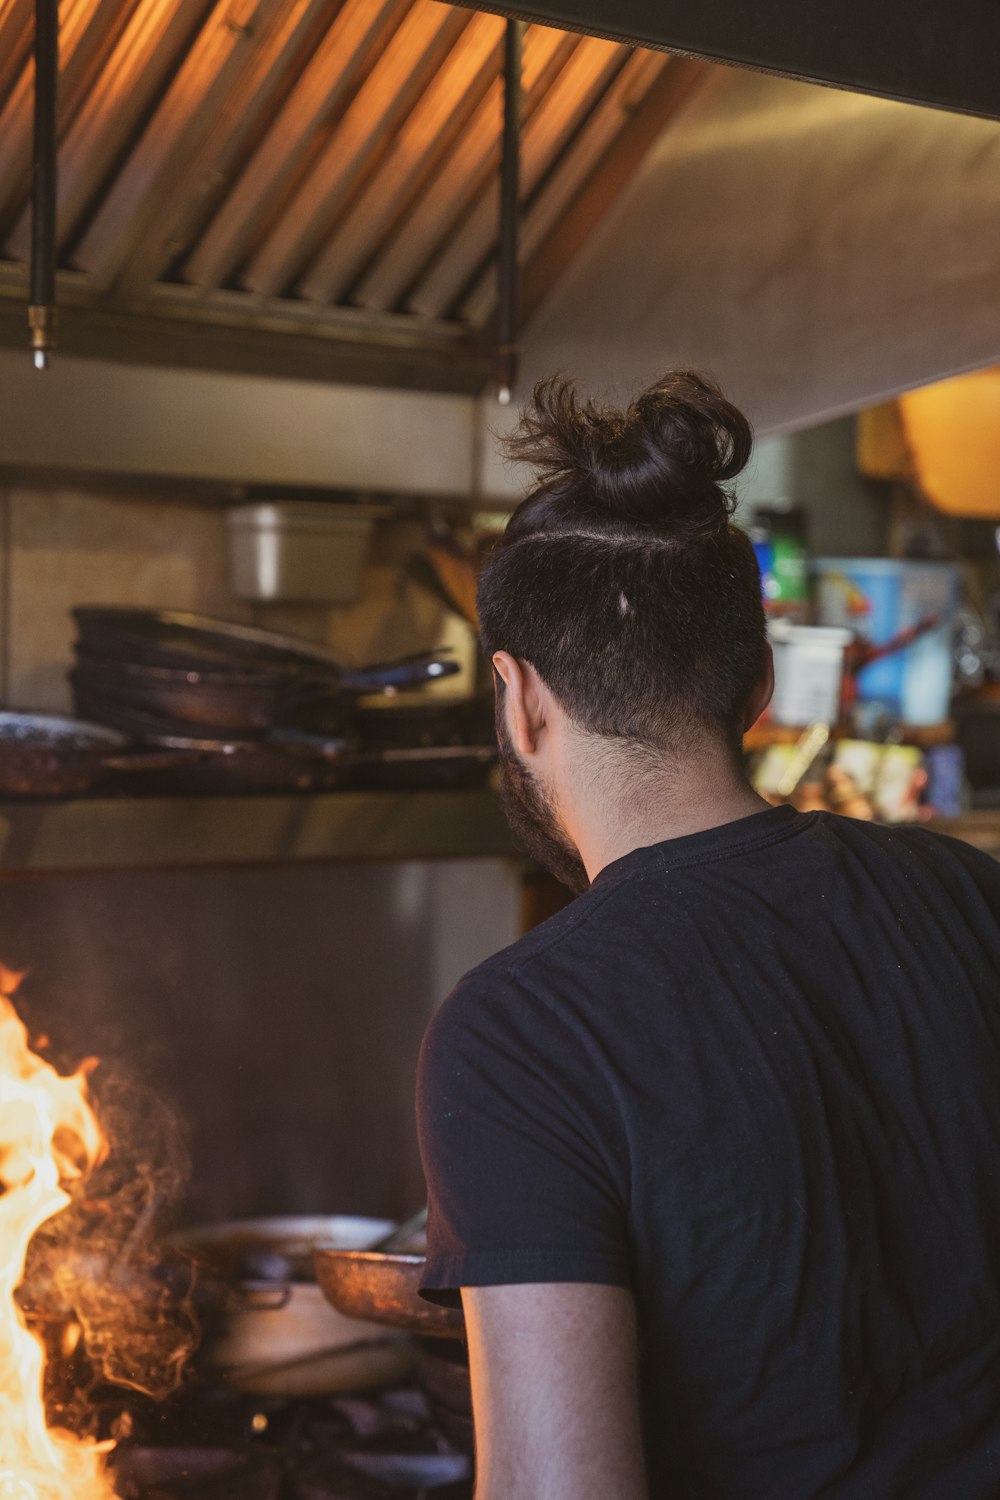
(221, 1446)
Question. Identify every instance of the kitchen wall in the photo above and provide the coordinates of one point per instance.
(277, 1011)
(60, 548)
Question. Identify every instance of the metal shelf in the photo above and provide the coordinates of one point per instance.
(186, 832)
(157, 833)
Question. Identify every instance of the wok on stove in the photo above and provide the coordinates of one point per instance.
(383, 1286)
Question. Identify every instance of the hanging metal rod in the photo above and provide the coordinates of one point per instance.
(41, 307)
(508, 272)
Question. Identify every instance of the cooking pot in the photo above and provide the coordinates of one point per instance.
(273, 1332)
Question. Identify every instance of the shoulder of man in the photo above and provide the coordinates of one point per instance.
(934, 846)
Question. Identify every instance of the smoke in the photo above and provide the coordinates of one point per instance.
(97, 1287)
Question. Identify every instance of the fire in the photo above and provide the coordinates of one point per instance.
(49, 1139)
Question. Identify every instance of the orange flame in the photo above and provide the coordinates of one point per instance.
(49, 1138)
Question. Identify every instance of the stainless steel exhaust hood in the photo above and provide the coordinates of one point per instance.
(937, 52)
(817, 250)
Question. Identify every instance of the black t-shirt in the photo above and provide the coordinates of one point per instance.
(754, 1075)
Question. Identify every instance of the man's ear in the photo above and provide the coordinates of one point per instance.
(761, 695)
(522, 701)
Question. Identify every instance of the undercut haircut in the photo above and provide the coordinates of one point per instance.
(621, 577)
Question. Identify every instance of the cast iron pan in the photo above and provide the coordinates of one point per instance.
(49, 755)
(244, 695)
(430, 768)
(154, 702)
(244, 703)
(191, 643)
(176, 641)
(385, 725)
(221, 767)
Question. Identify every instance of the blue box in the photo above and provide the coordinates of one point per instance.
(878, 598)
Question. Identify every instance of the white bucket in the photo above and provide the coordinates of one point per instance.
(808, 671)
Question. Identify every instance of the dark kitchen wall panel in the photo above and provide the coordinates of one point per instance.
(939, 52)
(278, 1011)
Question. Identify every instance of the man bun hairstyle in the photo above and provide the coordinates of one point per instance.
(658, 464)
(620, 576)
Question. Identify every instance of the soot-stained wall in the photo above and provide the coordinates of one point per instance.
(279, 1011)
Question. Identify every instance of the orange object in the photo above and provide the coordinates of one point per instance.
(952, 431)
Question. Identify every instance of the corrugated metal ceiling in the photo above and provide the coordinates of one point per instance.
(312, 158)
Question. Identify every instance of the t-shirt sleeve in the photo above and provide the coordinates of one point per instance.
(527, 1175)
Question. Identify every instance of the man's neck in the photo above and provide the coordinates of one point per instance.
(611, 809)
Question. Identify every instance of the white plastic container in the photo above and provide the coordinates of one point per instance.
(808, 671)
(299, 552)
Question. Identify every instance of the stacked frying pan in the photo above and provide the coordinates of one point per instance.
(237, 699)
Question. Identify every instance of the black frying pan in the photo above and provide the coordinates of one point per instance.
(180, 642)
(48, 755)
(191, 643)
(388, 725)
(51, 755)
(183, 766)
(242, 704)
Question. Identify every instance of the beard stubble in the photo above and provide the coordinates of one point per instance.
(531, 814)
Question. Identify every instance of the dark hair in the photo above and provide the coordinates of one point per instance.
(620, 576)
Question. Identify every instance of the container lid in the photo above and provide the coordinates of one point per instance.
(318, 515)
(784, 633)
(890, 566)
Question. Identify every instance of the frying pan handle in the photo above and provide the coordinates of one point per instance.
(402, 674)
(260, 1296)
(152, 760)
